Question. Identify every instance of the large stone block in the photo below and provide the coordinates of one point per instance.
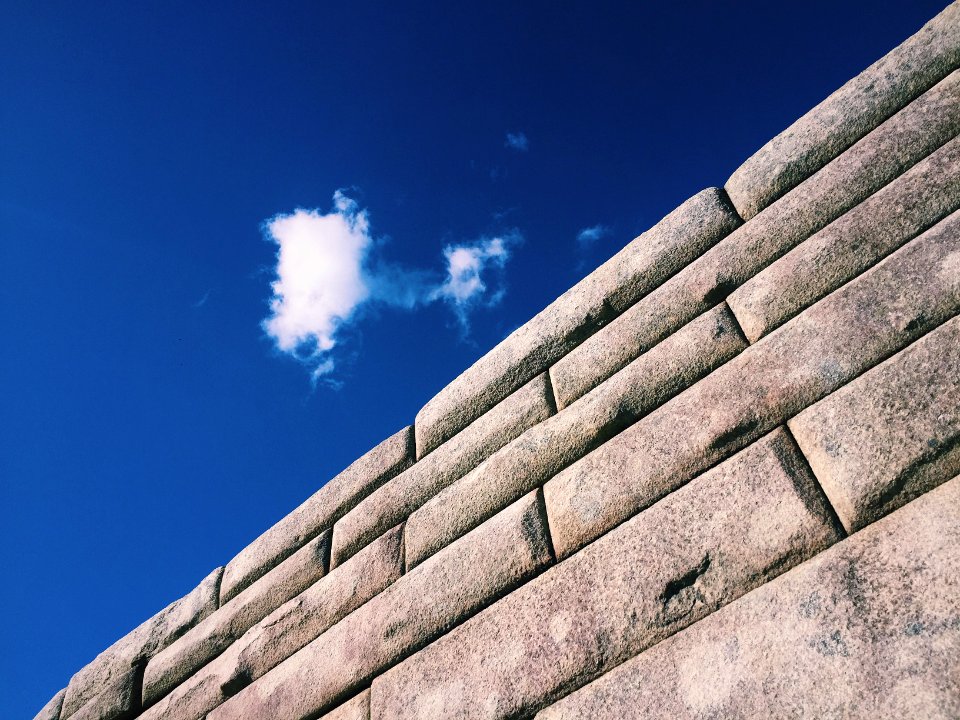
(319, 511)
(848, 114)
(869, 629)
(891, 434)
(51, 711)
(732, 529)
(286, 630)
(399, 497)
(211, 636)
(545, 449)
(910, 292)
(877, 159)
(120, 700)
(642, 265)
(922, 196)
(430, 599)
(114, 664)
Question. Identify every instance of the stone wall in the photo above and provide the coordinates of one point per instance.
(718, 477)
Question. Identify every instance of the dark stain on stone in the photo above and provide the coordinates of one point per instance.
(237, 682)
(832, 645)
(677, 585)
(738, 432)
(916, 325)
(719, 292)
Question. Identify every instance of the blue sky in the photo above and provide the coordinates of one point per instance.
(153, 158)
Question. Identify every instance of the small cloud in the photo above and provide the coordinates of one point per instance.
(328, 272)
(469, 267)
(202, 301)
(517, 141)
(589, 235)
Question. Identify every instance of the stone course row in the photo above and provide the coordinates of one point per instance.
(880, 157)
(848, 114)
(286, 630)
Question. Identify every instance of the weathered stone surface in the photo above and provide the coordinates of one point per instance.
(118, 701)
(428, 600)
(211, 637)
(286, 630)
(730, 530)
(848, 114)
(113, 664)
(919, 198)
(51, 711)
(869, 629)
(545, 449)
(874, 161)
(319, 511)
(399, 497)
(356, 709)
(891, 434)
(642, 265)
(910, 292)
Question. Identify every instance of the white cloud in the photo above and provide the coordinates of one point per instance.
(468, 265)
(589, 235)
(327, 272)
(517, 141)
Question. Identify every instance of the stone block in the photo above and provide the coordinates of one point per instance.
(893, 433)
(119, 700)
(642, 265)
(216, 632)
(423, 604)
(392, 503)
(113, 665)
(869, 629)
(51, 711)
(912, 291)
(921, 197)
(877, 159)
(545, 449)
(732, 529)
(848, 114)
(319, 511)
(286, 630)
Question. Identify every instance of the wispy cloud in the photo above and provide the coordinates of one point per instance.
(517, 141)
(589, 235)
(328, 271)
(468, 270)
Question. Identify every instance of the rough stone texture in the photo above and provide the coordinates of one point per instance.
(211, 637)
(545, 449)
(877, 159)
(356, 709)
(51, 711)
(870, 629)
(893, 433)
(430, 599)
(642, 265)
(393, 502)
(912, 291)
(848, 114)
(114, 664)
(286, 630)
(118, 701)
(319, 511)
(919, 198)
(735, 527)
